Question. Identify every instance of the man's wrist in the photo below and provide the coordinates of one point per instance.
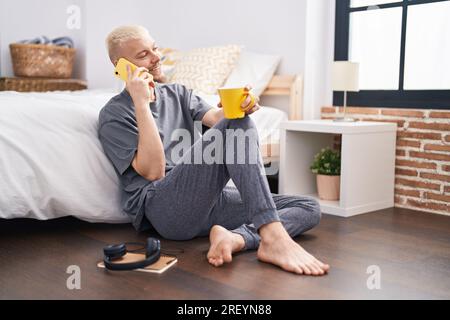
(219, 115)
(141, 104)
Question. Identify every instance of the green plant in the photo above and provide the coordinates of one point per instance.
(327, 162)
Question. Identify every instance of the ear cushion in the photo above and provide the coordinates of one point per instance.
(153, 247)
(115, 251)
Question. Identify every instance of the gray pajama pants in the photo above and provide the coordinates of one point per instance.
(192, 197)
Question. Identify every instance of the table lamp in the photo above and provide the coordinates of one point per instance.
(345, 78)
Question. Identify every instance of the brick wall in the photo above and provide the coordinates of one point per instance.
(422, 176)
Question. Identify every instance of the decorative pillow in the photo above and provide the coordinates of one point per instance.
(254, 69)
(206, 69)
(169, 58)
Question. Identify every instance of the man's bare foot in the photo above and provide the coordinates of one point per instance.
(223, 244)
(278, 248)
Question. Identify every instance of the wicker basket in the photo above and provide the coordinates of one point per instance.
(41, 84)
(41, 60)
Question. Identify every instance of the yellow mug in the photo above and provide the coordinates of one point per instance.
(232, 99)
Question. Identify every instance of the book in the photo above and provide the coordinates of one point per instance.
(160, 266)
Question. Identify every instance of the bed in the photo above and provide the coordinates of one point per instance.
(280, 85)
(52, 164)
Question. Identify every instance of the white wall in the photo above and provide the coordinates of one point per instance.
(102, 17)
(319, 55)
(261, 25)
(27, 19)
(301, 31)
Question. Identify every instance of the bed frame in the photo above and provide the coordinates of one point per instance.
(292, 87)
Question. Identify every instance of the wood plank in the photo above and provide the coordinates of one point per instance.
(411, 248)
(291, 86)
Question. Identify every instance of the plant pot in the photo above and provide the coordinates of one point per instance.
(328, 187)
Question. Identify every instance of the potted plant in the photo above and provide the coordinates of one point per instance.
(327, 166)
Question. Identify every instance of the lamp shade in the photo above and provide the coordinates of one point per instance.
(345, 76)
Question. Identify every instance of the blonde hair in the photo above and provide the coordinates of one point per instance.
(122, 34)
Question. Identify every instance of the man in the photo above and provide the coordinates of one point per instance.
(181, 199)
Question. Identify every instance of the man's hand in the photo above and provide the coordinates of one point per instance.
(247, 103)
(140, 85)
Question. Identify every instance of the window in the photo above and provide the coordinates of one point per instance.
(403, 48)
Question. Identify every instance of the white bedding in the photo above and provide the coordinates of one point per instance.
(51, 161)
(267, 120)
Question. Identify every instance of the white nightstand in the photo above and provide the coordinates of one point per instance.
(367, 163)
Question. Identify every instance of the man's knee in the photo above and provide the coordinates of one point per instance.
(241, 123)
(230, 126)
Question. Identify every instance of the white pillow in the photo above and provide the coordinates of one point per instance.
(254, 69)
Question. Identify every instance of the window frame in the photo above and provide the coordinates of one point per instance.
(424, 99)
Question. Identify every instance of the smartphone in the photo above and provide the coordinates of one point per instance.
(121, 69)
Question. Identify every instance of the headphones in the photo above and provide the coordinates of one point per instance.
(116, 251)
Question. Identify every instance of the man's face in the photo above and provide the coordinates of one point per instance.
(143, 53)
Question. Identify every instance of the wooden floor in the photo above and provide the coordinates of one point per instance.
(412, 250)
